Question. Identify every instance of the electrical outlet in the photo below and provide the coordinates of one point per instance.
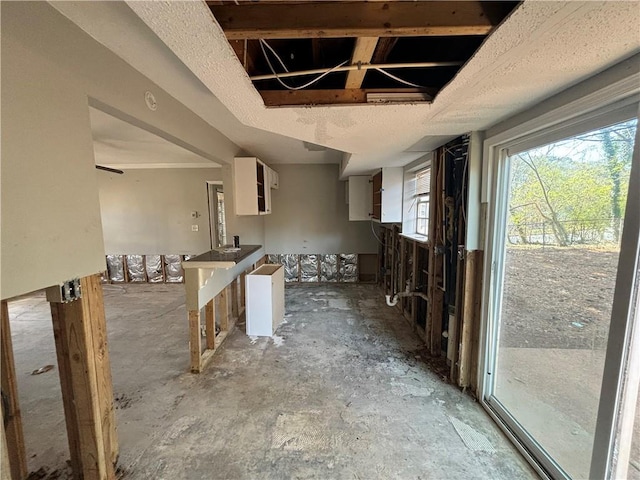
(194, 228)
(194, 215)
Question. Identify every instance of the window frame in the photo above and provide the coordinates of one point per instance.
(623, 342)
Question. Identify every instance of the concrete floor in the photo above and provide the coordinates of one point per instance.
(340, 392)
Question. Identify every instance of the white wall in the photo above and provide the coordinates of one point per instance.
(310, 214)
(149, 211)
(51, 70)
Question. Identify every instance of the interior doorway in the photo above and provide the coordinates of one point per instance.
(217, 225)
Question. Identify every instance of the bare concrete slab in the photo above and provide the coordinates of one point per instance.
(341, 391)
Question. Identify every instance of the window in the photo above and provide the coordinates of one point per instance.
(423, 187)
(561, 287)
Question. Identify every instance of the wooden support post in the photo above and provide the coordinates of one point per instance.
(243, 291)
(5, 468)
(468, 318)
(403, 271)
(433, 328)
(195, 341)
(234, 298)
(475, 331)
(210, 325)
(414, 284)
(13, 434)
(224, 310)
(85, 375)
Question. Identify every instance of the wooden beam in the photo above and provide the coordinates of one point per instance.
(195, 342)
(351, 19)
(5, 467)
(14, 434)
(223, 305)
(362, 53)
(210, 324)
(92, 293)
(468, 318)
(83, 364)
(435, 294)
(234, 298)
(278, 98)
(383, 49)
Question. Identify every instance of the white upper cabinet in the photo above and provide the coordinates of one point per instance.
(252, 182)
(359, 197)
(377, 197)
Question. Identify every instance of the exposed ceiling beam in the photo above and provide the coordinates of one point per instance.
(279, 98)
(362, 53)
(352, 19)
(383, 49)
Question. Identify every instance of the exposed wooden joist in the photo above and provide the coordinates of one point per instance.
(362, 53)
(383, 49)
(14, 435)
(278, 98)
(351, 19)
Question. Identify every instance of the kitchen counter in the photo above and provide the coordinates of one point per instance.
(219, 259)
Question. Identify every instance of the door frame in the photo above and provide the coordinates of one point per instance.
(213, 233)
(571, 118)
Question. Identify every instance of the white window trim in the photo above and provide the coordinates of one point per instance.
(409, 208)
(613, 101)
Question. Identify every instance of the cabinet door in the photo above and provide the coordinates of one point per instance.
(360, 197)
(245, 180)
(392, 186)
(268, 173)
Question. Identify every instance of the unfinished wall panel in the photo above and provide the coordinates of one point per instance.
(154, 270)
(309, 268)
(348, 267)
(135, 268)
(328, 268)
(291, 267)
(173, 269)
(274, 258)
(115, 267)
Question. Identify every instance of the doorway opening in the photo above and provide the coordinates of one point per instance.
(217, 224)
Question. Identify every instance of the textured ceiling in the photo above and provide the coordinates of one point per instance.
(541, 49)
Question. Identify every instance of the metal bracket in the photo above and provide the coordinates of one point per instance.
(65, 293)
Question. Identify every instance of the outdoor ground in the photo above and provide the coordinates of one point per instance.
(557, 309)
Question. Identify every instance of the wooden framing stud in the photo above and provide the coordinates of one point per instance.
(195, 341)
(12, 435)
(210, 324)
(5, 468)
(85, 376)
(223, 304)
(234, 299)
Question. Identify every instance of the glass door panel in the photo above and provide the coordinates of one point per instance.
(560, 255)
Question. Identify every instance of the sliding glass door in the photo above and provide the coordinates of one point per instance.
(558, 226)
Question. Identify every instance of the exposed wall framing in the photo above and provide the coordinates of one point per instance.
(442, 280)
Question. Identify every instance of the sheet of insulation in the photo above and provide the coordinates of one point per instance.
(273, 258)
(328, 268)
(309, 268)
(173, 268)
(135, 268)
(348, 267)
(291, 269)
(154, 269)
(115, 267)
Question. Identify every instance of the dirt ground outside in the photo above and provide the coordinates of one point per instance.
(556, 313)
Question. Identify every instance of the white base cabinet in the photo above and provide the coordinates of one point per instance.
(265, 300)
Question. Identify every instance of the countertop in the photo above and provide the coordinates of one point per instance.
(218, 259)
